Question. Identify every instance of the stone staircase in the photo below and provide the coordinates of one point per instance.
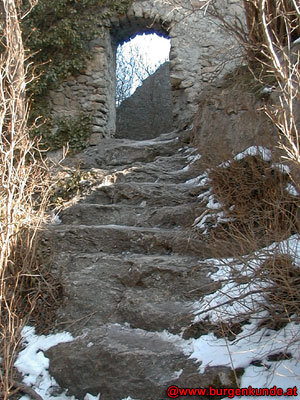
(132, 269)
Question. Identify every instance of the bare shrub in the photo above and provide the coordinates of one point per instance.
(251, 209)
(258, 301)
(281, 14)
(252, 216)
(26, 289)
(249, 203)
(274, 30)
(282, 291)
(252, 192)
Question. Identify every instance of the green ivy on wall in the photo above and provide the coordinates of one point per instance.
(56, 36)
(72, 130)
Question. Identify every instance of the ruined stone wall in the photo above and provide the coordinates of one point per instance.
(148, 112)
(200, 52)
(91, 91)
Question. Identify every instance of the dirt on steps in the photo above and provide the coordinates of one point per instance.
(132, 271)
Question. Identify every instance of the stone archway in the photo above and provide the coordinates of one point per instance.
(201, 52)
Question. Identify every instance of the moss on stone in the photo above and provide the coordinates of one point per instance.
(56, 35)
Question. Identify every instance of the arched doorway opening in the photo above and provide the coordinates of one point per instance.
(142, 79)
(136, 60)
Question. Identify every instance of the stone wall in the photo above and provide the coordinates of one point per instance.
(201, 51)
(148, 112)
(91, 91)
(229, 120)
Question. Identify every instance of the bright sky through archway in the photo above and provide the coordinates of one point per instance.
(151, 51)
(155, 48)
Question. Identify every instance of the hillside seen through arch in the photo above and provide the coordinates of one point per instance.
(137, 59)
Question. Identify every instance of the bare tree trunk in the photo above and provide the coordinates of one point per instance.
(12, 179)
(14, 77)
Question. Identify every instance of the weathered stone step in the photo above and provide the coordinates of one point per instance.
(119, 362)
(114, 152)
(143, 194)
(117, 239)
(94, 214)
(161, 170)
(151, 292)
(175, 164)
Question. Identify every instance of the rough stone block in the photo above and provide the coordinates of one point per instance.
(97, 129)
(98, 83)
(98, 98)
(58, 98)
(82, 79)
(95, 138)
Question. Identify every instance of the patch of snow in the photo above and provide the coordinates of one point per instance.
(33, 364)
(129, 398)
(55, 220)
(189, 149)
(267, 89)
(194, 158)
(198, 220)
(296, 41)
(204, 180)
(252, 343)
(177, 374)
(265, 153)
(169, 337)
(282, 168)
(191, 158)
(213, 204)
(91, 397)
(261, 151)
(201, 224)
(221, 218)
(107, 181)
(151, 142)
(190, 127)
(193, 181)
(291, 189)
(204, 195)
(284, 375)
(230, 301)
(186, 168)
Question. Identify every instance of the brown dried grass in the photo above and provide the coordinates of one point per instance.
(28, 291)
(252, 192)
(260, 212)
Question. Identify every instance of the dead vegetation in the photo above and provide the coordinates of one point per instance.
(252, 203)
(249, 203)
(282, 296)
(253, 194)
(28, 291)
(252, 208)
